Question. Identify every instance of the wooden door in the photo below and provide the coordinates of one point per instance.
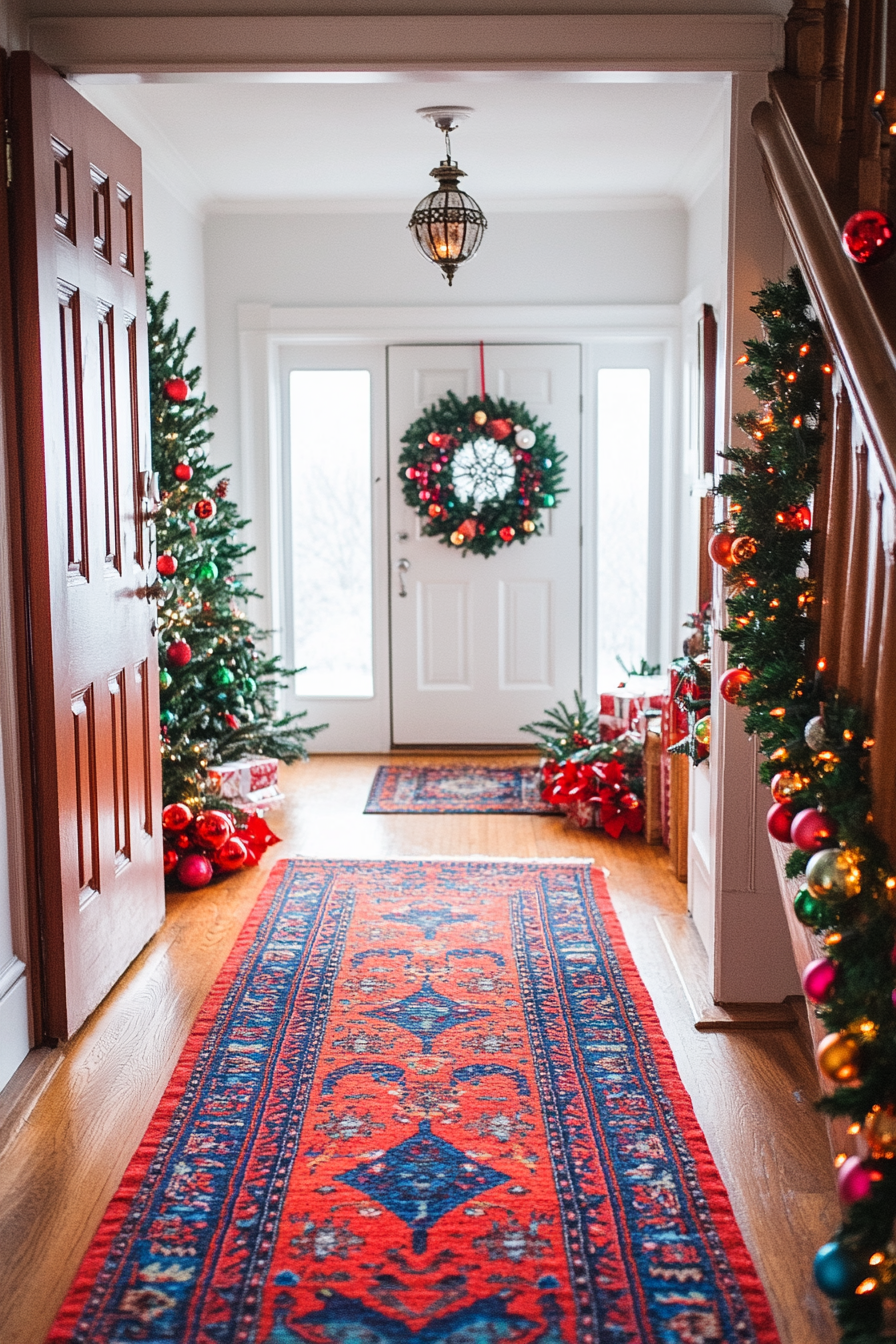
(481, 646)
(82, 383)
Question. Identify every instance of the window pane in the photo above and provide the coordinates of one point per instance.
(623, 481)
(331, 542)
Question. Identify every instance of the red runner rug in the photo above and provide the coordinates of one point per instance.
(425, 1103)
(458, 788)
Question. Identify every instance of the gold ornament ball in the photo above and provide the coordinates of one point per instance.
(743, 548)
(479, 417)
(528, 525)
(831, 874)
(838, 1057)
(880, 1131)
(703, 731)
(457, 538)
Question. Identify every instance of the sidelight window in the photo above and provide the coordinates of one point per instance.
(330, 531)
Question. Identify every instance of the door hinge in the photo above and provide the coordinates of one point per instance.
(8, 139)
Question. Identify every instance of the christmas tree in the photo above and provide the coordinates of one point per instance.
(218, 686)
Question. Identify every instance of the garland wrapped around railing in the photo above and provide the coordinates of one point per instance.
(816, 743)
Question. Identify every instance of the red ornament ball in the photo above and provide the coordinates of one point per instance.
(177, 389)
(795, 519)
(434, 439)
(194, 870)
(167, 564)
(232, 854)
(733, 682)
(779, 821)
(179, 653)
(507, 533)
(183, 841)
(812, 830)
(212, 828)
(500, 429)
(205, 509)
(720, 549)
(868, 237)
(183, 471)
(232, 721)
(171, 858)
(176, 817)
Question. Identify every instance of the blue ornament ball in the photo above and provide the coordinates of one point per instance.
(836, 1272)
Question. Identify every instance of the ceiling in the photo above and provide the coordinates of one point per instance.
(532, 142)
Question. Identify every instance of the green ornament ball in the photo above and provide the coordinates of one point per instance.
(164, 679)
(248, 685)
(222, 676)
(548, 501)
(207, 571)
(166, 718)
(808, 909)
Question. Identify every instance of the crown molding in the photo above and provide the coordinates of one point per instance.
(434, 45)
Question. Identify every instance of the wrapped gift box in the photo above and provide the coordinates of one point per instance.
(673, 727)
(250, 783)
(623, 710)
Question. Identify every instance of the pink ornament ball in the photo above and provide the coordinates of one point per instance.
(853, 1181)
(194, 870)
(779, 820)
(819, 979)
(813, 830)
(868, 236)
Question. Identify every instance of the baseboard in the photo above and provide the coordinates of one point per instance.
(688, 956)
(14, 1038)
(18, 1098)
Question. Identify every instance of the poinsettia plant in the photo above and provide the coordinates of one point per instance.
(593, 782)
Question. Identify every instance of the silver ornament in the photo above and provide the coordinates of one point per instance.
(815, 735)
(524, 438)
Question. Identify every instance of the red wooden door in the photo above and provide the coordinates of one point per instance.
(80, 330)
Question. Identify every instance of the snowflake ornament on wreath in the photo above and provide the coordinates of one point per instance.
(480, 472)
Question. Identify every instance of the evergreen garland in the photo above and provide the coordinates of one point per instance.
(220, 704)
(816, 745)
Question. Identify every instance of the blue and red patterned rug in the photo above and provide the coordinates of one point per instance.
(458, 788)
(425, 1103)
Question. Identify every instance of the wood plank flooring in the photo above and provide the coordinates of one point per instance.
(63, 1150)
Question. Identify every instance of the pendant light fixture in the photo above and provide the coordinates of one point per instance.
(447, 224)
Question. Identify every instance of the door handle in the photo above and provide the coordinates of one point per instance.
(154, 592)
(403, 566)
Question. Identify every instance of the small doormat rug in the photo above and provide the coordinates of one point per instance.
(457, 788)
(425, 1103)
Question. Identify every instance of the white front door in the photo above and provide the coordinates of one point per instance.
(481, 646)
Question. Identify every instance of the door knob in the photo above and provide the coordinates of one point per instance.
(403, 566)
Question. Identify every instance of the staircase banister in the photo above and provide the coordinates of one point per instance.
(859, 342)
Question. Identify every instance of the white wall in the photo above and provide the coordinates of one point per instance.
(624, 256)
(173, 236)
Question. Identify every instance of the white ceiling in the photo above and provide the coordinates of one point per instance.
(533, 142)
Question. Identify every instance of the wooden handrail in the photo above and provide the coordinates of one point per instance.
(858, 337)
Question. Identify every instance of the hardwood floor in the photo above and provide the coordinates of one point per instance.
(75, 1115)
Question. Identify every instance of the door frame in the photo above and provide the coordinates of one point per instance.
(265, 330)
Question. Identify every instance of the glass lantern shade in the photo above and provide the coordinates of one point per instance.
(448, 224)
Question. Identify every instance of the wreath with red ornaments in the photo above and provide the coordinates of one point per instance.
(480, 472)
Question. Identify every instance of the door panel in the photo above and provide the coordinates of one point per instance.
(486, 644)
(83, 392)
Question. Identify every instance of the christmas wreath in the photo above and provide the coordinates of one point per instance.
(480, 472)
